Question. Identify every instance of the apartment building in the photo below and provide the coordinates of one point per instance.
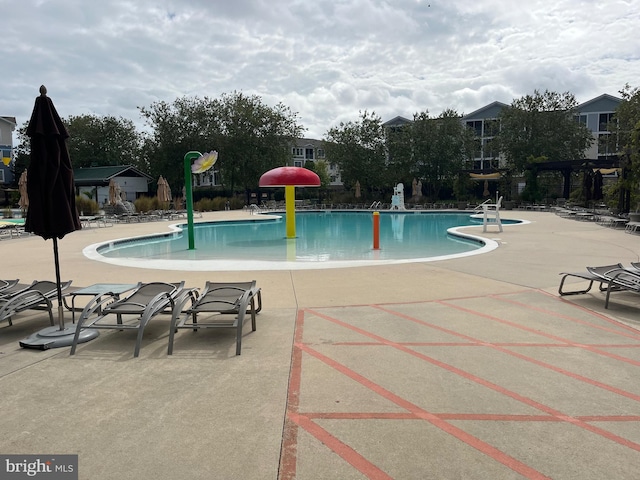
(311, 150)
(595, 114)
(7, 126)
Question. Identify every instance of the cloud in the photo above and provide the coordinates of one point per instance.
(327, 60)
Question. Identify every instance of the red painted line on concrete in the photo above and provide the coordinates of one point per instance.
(452, 430)
(499, 344)
(488, 384)
(549, 366)
(629, 332)
(610, 418)
(347, 453)
(493, 417)
(289, 447)
(443, 416)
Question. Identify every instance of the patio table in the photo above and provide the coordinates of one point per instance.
(99, 290)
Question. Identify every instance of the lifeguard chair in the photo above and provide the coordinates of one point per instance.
(397, 201)
(491, 215)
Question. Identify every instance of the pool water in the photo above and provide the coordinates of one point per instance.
(321, 237)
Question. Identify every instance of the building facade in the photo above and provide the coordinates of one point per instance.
(7, 126)
(311, 150)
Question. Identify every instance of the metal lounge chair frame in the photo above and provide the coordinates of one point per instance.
(619, 279)
(216, 300)
(593, 274)
(145, 302)
(36, 296)
(4, 284)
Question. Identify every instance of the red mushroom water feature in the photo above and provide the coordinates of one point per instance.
(290, 178)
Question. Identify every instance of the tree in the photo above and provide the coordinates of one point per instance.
(250, 137)
(187, 124)
(254, 138)
(101, 141)
(627, 142)
(538, 126)
(442, 145)
(542, 125)
(358, 148)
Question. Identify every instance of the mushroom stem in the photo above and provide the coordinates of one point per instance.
(290, 203)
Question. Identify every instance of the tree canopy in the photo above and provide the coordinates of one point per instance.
(358, 148)
(250, 137)
(542, 125)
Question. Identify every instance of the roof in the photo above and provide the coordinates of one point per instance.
(397, 121)
(488, 111)
(9, 120)
(308, 142)
(603, 103)
(102, 175)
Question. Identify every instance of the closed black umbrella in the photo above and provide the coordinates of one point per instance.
(52, 202)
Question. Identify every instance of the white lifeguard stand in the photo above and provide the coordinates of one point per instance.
(397, 200)
(491, 214)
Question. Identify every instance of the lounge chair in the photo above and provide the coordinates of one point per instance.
(619, 279)
(36, 296)
(13, 288)
(145, 302)
(218, 301)
(4, 284)
(593, 274)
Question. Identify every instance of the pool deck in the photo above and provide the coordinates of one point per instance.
(470, 368)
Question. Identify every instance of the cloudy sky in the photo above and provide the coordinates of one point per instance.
(325, 59)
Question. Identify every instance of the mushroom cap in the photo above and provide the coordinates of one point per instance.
(287, 176)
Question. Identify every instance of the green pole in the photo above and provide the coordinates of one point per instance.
(189, 195)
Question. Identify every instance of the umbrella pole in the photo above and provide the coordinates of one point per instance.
(58, 285)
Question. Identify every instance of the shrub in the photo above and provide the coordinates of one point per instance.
(86, 206)
(204, 205)
(147, 204)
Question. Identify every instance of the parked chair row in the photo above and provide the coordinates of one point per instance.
(148, 300)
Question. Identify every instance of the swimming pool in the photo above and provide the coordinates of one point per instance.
(325, 239)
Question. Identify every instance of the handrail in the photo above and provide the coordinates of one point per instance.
(479, 207)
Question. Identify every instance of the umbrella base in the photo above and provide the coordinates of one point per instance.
(53, 337)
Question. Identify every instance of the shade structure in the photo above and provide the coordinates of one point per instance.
(52, 203)
(23, 203)
(290, 177)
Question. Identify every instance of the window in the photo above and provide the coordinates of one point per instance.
(488, 148)
(297, 163)
(298, 152)
(321, 153)
(604, 147)
(491, 128)
(476, 126)
(581, 119)
(308, 154)
(477, 148)
(603, 121)
(5, 153)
